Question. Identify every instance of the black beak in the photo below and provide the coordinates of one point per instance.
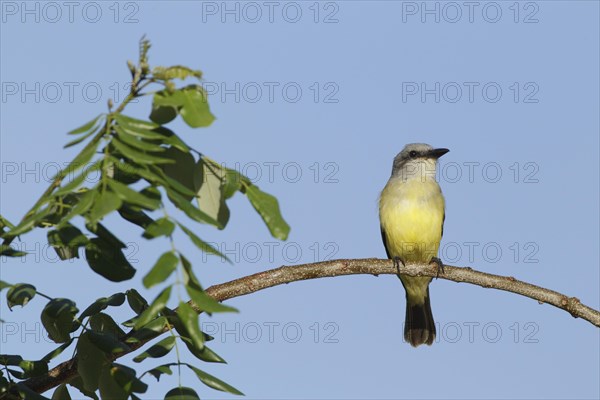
(437, 153)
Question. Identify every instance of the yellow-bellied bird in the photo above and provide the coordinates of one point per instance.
(412, 213)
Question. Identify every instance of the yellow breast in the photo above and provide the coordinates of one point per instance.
(411, 213)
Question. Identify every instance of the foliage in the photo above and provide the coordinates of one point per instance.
(142, 166)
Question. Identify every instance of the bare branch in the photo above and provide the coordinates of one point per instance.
(371, 266)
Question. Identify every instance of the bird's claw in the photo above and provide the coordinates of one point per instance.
(397, 262)
(439, 264)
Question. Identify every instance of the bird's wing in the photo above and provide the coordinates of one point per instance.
(443, 219)
(385, 242)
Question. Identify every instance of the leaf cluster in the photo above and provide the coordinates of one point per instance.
(143, 169)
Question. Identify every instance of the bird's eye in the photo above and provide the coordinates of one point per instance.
(412, 154)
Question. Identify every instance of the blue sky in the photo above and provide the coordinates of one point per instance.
(313, 101)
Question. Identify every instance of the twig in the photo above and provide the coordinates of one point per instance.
(370, 266)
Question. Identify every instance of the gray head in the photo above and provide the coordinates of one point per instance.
(416, 159)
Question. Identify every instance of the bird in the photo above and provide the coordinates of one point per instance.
(411, 215)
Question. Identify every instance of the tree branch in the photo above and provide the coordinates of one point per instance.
(371, 266)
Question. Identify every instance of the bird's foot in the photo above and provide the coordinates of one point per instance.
(439, 264)
(397, 262)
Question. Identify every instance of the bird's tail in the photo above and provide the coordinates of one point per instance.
(419, 327)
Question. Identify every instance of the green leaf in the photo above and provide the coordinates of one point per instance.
(148, 331)
(151, 192)
(27, 224)
(7, 251)
(160, 370)
(165, 107)
(176, 322)
(108, 261)
(80, 139)
(191, 211)
(9, 359)
(208, 183)
(116, 299)
(137, 303)
(58, 208)
(155, 175)
(131, 196)
(171, 138)
(204, 354)
(61, 393)
(201, 244)
(135, 141)
(86, 200)
(20, 294)
(160, 349)
(4, 384)
(86, 130)
(78, 180)
(232, 182)
(182, 393)
(106, 235)
(195, 110)
(163, 268)
(192, 103)
(102, 303)
(172, 185)
(104, 204)
(77, 383)
(33, 368)
(28, 394)
(162, 114)
(138, 156)
(88, 126)
(136, 217)
(206, 303)
(57, 317)
(67, 235)
(90, 362)
(175, 72)
(121, 172)
(126, 378)
(109, 388)
(143, 133)
(160, 227)
(214, 382)
(182, 168)
(104, 323)
(134, 124)
(107, 342)
(5, 223)
(66, 240)
(56, 352)
(15, 373)
(268, 208)
(170, 98)
(190, 278)
(157, 305)
(189, 318)
(80, 160)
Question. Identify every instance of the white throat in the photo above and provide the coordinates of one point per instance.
(423, 169)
